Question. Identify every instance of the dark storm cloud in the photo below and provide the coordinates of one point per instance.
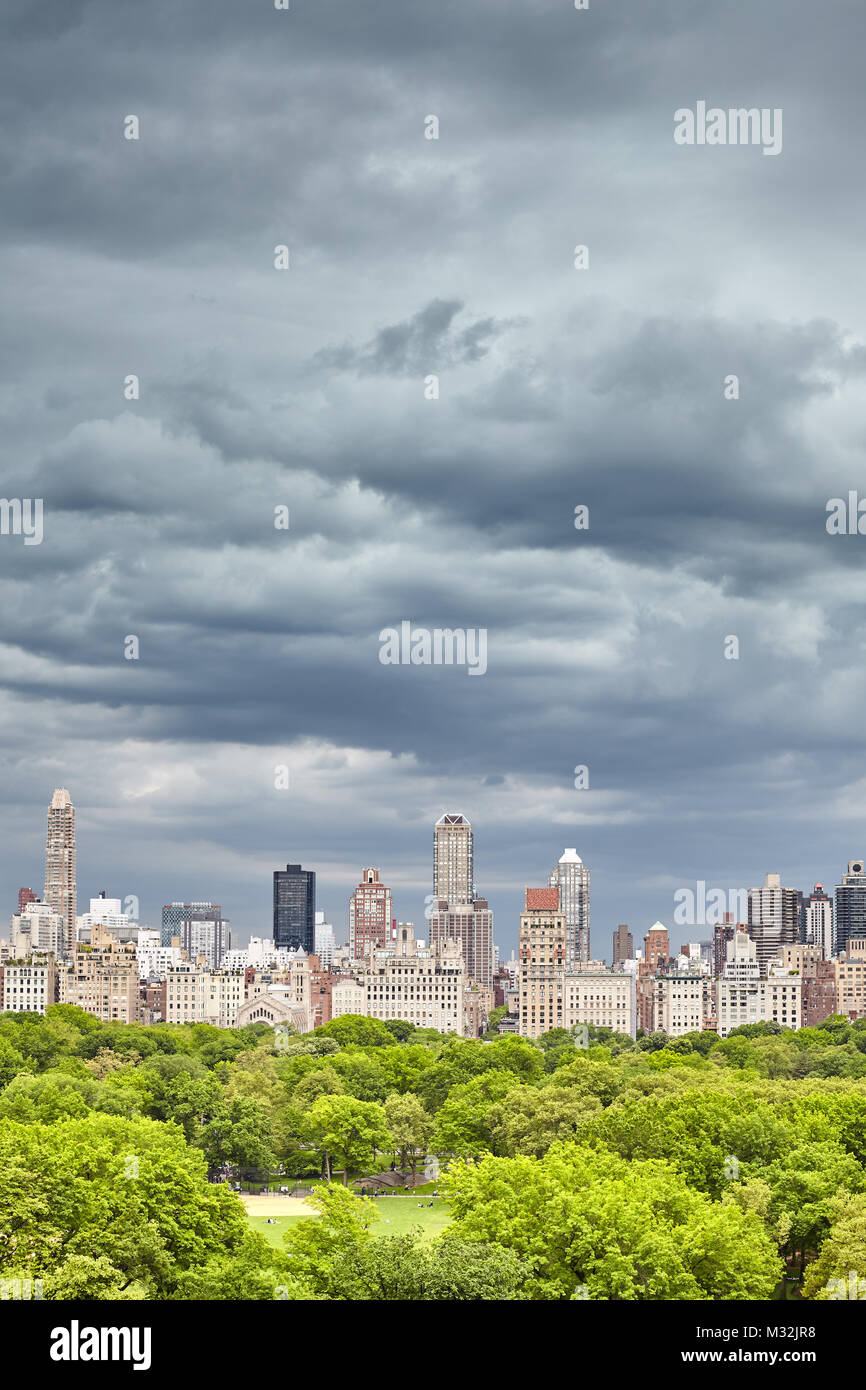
(412, 257)
(409, 348)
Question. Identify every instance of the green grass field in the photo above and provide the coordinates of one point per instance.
(396, 1216)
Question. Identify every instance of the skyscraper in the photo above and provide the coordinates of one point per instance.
(370, 915)
(623, 944)
(453, 860)
(775, 915)
(571, 877)
(60, 863)
(851, 905)
(472, 926)
(295, 908)
(819, 920)
(456, 913)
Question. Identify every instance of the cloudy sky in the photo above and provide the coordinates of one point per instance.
(259, 387)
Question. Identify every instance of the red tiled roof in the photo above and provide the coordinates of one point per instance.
(542, 900)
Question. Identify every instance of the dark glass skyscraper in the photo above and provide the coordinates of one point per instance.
(295, 908)
(851, 904)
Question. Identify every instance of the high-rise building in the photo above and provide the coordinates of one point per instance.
(206, 933)
(851, 906)
(324, 941)
(541, 944)
(723, 933)
(200, 927)
(25, 896)
(819, 921)
(746, 995)
(60, 892)
(623, 944)
(657, 947)
(470, 924)
(370, 915)
(39, 928)
(295, 908)
(453, 860)
(456, 914)
(775, 915)
(571, 877)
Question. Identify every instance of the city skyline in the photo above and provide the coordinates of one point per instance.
(697, 927)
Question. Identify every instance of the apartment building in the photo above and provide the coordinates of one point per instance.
(28, 985)
(679, 1003)
(422, 984)
(471, 925)
(850, 971)
(541, 948)
(744, 996)
(102, 979)
(600, 997)
(348, 997)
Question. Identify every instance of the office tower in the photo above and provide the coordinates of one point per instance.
(775, 915)
(470, 924)
(25, 896)
(324, 941)
(295, 908)
(850, 906)
(453, 861)
(370, 915)
(60, 863)
(623, 944)
(819, 921)
(201, 927)
(571, 877)
(541, 946)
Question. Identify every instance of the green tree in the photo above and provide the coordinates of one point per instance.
(839, 1272)
(347, 1131)
(589, 1221)
(411, 1128)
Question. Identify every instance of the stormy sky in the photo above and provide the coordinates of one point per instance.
(259, 387)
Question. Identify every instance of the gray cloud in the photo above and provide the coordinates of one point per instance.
(304, 388)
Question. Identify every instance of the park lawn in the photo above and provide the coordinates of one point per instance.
(397, 1215)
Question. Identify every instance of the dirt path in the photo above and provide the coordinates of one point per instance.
(276, 1206)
